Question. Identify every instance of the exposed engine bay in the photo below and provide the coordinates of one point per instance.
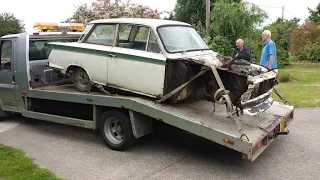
(245, 83)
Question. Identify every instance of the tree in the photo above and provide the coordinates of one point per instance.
(303, 39)
(192, 11)
(314, 14)
(227, 27)
(104, 9)
(255, 44)
(301, 35)
(83, 14)
(10, 24)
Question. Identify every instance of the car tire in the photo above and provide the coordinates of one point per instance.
(81, 79)
(116, 131)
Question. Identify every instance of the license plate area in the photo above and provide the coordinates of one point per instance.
(280, 129)
(282, 125)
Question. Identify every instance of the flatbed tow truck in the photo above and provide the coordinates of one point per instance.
(43, 97)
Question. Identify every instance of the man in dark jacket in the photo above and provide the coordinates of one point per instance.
(241, 52)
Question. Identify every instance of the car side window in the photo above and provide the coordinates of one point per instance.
(142, 34)
(102, 34)
(153, 45)
(133, 37)
(141, 38)
(124, 32)
(136, 37)
(6, 55)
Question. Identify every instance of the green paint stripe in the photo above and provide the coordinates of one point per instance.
(139, 58)
(106, 53)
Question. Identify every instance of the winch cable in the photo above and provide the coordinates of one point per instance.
(281, 96)
(99, 87)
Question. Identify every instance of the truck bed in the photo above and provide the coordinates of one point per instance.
(195, 117)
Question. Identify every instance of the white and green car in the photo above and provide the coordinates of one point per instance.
(154, 58)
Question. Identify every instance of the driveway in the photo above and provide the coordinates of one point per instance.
(75, 153)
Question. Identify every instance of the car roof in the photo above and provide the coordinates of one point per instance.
(154, 23)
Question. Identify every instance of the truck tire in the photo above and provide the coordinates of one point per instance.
(3, 114)
(116, 131)
(81, 79)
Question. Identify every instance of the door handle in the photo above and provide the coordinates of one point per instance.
(112, 55)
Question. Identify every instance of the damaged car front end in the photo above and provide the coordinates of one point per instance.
(195, 73)
(249, 87)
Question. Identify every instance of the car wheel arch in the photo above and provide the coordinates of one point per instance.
(74, 66)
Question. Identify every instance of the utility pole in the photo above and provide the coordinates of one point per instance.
(207, 17)
(282, 12)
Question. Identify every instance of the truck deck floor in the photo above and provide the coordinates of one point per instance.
(200, 112)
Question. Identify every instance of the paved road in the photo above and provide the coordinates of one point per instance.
(75, 153)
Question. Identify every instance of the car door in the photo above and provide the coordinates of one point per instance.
(135, 65)
(7, 80)
(96, 48)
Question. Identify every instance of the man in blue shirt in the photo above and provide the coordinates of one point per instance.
(269, 52)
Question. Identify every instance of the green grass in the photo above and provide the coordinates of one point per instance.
(14, 165)
(303, 90)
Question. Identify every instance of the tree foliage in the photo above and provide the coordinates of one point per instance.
(230, 20)
(255, 44)
(104, 9)
(227, 27)
(311, 51)
(192, 11)
(304, 40)
(314, 14)
(302, 35)
(10, 24)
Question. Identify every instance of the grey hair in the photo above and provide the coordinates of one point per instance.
(266, 32)
(240, 40)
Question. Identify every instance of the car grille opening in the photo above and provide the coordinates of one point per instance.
(264, 87)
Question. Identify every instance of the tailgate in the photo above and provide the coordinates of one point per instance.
(273, 129)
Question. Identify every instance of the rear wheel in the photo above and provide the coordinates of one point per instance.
(3, 114)
(81, 79)
(116, 131)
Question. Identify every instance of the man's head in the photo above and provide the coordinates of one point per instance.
(239, 44)
(266, 35)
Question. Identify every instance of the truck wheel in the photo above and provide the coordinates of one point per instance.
(3, 114)
(81, 79)
(116, 131)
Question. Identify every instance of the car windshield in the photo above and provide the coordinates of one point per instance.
(181, 39)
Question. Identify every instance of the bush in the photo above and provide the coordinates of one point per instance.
(284, 77)
(293, 59)
(310, 52)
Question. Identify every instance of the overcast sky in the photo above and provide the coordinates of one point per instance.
(31, 11)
